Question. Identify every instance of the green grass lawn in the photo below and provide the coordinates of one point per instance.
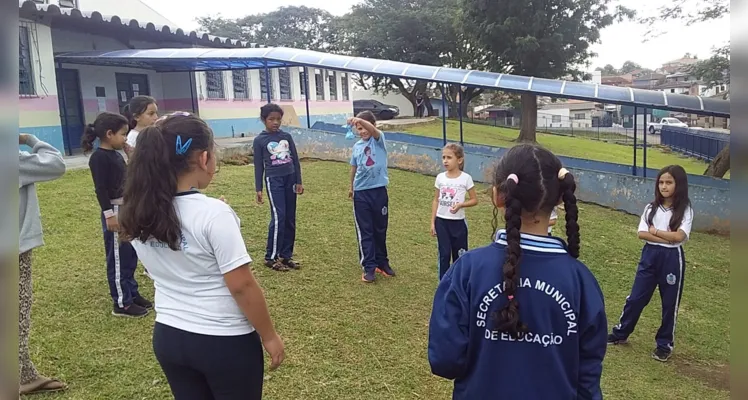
(345, 339)
(561, 145)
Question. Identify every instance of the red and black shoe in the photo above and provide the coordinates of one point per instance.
(368, 277)
(386, 270)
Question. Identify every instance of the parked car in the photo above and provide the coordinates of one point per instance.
(380, 110)
(657, 126)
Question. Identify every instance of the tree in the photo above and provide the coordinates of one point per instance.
(720, 165)
(715, 70)
(546, 39)
(297, 27)
(688, 11)
(426, 32)
(628, 67)
(692, 12)
(608, 70)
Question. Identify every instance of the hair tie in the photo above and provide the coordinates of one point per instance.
(562, 173)
(510, 297)
(513, 177)
(182, 149)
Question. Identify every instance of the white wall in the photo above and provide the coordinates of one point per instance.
(43, 62)
(545, 118)
(392, 98)
(254, 83)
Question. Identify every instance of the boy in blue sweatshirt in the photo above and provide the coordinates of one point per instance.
(522, 318)
(276, 158)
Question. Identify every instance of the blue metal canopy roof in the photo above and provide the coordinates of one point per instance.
(202, 59)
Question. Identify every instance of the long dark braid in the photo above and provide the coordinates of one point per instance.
(568, 187)
(509, 314)
(526, 186)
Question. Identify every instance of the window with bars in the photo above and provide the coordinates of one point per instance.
(333, 85)
(319, 84)
(302, 73)
(25, 70)
(284, 81)
(241, 84)
(265, 83)
(214, 84)
(344, 86)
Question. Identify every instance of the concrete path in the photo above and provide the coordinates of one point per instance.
(404, 121)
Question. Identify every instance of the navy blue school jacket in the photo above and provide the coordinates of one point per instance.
(560, 301)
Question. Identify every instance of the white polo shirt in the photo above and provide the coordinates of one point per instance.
(132, 137)
(661, 221)
(191, 293)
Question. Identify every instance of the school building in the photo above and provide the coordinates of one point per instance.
(57, 100)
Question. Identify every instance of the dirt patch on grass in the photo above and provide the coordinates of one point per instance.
(713, 376)
(237, 159)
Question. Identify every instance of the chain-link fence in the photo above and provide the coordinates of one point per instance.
(591, 128)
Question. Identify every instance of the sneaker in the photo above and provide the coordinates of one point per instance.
(133, 311)
(613, 339)
(289, 263)
(661, 355)
(141, 301)
(386, 270)
(368, 277)
(278, 265)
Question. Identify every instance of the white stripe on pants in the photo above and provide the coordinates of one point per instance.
(117, 266)
(678, 294)
(275, 218)
(358, 234)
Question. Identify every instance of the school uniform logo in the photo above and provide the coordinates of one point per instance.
(280, 152)
(670, 278)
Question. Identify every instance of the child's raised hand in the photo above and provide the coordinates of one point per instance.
(352, 121)
(455, 208)
(259, 197)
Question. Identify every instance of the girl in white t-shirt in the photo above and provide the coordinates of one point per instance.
(141, 112)
(447, 214)
(211, 317)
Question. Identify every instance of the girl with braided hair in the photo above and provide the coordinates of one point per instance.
(525, 298)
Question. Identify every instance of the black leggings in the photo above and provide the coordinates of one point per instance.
(202, 367)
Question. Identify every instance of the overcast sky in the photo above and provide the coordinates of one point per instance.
(619, 42)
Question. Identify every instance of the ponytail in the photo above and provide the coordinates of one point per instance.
(508, 317)
(150, 187)
(136, 106)
(88, 138)
(105, 122)
(165, 151)
(568, 187)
